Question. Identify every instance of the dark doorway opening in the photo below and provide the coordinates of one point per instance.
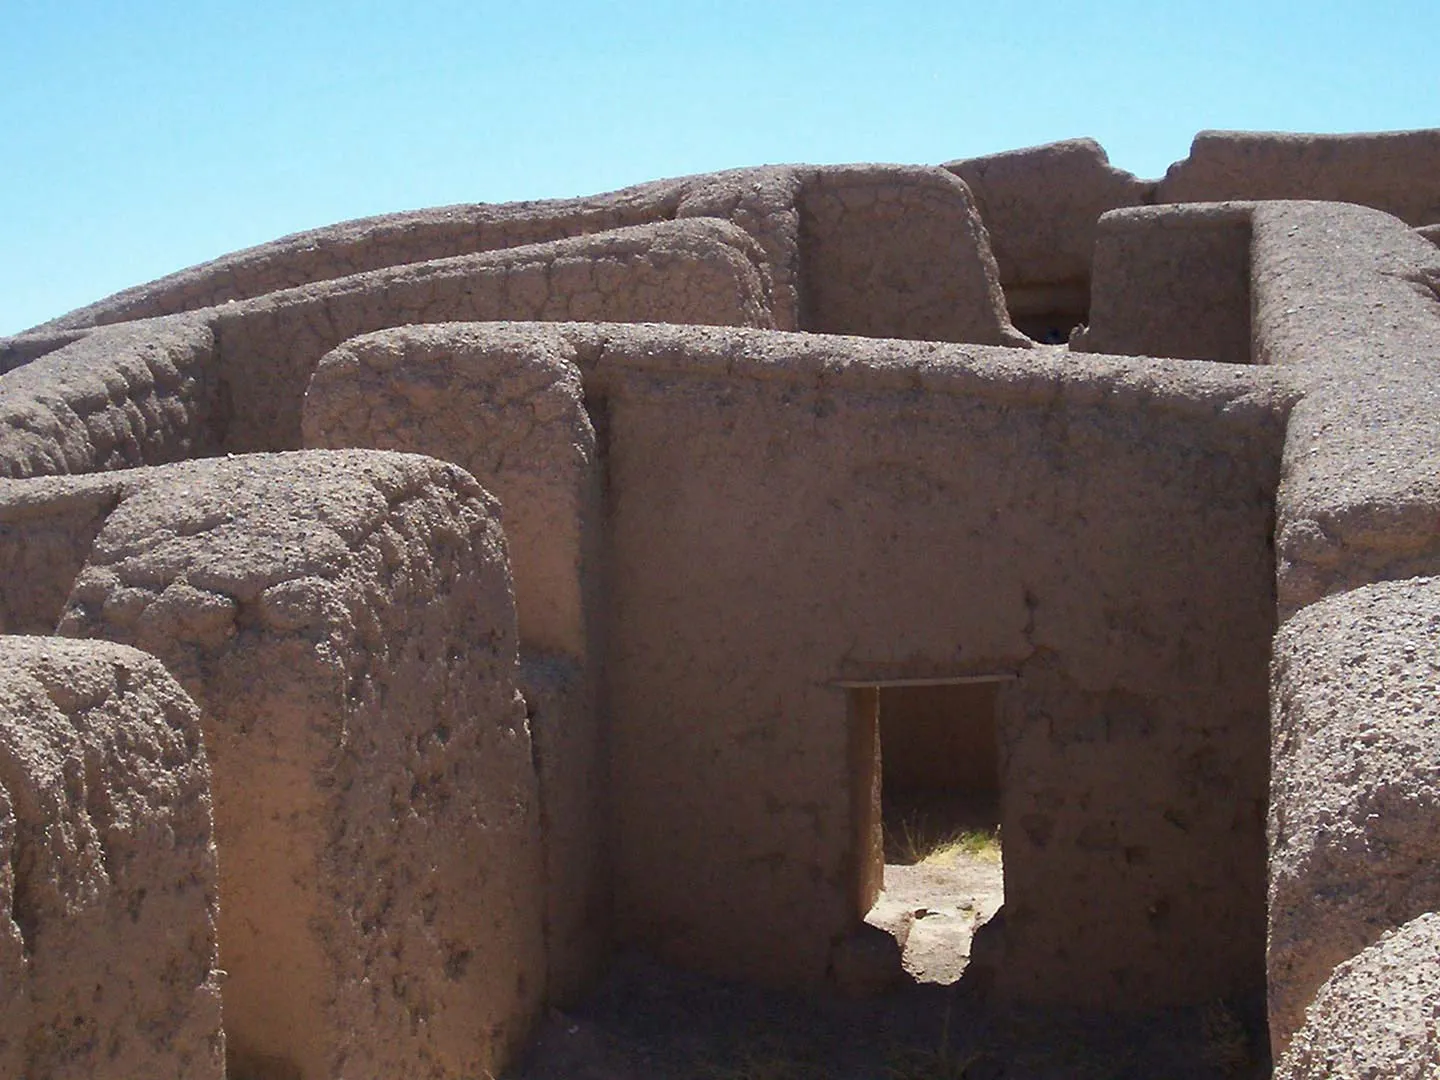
(940, 813)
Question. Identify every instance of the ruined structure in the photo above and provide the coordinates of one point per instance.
(508, 583)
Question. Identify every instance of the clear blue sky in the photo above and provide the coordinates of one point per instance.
(138, 138)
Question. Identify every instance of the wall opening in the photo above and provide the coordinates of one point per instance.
(939, 822)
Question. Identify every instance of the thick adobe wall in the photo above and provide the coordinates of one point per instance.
(1172, 281)
(898, 253)
(1355, 789)
(108, 888)
(774, 506)
(849, 250)
(345, 622)
(1375, 1015)
(1347, 299)
(508, 406)
(1040, 206)
(775, 513)
(701, 271)
(140, 394)
(47, 527)
(1396, 171)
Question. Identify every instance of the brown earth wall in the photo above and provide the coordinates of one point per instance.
(108, 889)
(886, 250)
(773, 522)
(1171, 281)
(1347, 301)
(777, 528)
(1040, 206)
(515, 418)
(140, 394)
(895, 253)
(345, 621)
(1394, 171)
(1355, 794)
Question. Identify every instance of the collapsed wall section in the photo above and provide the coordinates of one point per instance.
(345, 622)
(108, 888)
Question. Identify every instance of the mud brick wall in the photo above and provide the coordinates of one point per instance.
(1172, 281)
(345, 621)
(108, 888)
(774, 520)
(508, 405)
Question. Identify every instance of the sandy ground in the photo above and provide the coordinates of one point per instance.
(934, 911)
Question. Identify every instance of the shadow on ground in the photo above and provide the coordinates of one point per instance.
(650, 1022)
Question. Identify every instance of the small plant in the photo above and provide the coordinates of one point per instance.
(916, 841)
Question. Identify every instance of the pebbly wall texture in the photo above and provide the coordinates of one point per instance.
(108, 890)
(508, 406)
(710, 529)
(1348, 301)
(345, 622)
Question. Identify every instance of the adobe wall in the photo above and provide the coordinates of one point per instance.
(47, 527)
(108, 888)
(515, 419)
(1375, 1016)
(1355, 789)
(1040, 206)
(1394, 171)
(142, 394)
(898, 253)
(1171, 281)
(830, 259)
(1348, 301)
(774, 516)
(345, 622)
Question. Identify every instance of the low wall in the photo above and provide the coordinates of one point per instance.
(108, 896)
(1394, 171)
(344, 620)
(1172, 281)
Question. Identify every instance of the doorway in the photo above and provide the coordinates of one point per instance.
(940, 790)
